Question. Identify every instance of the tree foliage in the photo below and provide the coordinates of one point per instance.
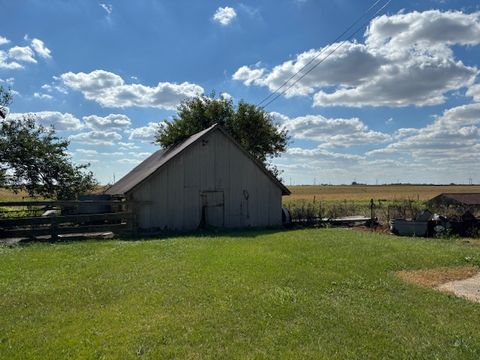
(35, 159)
(250, 125)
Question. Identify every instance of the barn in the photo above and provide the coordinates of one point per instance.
(467, 201)
(207, 180)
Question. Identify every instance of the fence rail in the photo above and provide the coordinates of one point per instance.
(75, 217)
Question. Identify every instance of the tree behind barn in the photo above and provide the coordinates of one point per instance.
(250, 125)
(33, 158)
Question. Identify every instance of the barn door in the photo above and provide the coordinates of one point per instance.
(213, 208)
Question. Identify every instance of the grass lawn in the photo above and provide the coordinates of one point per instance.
(318, 294)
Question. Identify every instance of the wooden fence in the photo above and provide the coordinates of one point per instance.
(67, 218)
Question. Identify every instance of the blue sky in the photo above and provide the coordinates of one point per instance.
(399, 102)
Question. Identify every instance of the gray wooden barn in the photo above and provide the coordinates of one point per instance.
(208, 179)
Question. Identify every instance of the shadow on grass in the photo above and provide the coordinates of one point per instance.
(251, 232)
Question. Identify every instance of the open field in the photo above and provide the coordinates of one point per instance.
(8, 195)
(367, 192)
(318, 294)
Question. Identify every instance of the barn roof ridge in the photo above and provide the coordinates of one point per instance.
(162, 156)
(470, 198)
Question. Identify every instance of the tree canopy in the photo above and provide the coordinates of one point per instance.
(250, 125)
(35, 159)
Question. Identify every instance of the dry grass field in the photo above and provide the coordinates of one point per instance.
(8, 195)
(367, 192)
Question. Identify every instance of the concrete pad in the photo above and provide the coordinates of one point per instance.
(467, 288)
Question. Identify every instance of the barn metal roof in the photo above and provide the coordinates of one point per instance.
(464, 198)
(159, 158)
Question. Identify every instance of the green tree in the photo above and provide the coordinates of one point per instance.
(250, 125)
(35, 159)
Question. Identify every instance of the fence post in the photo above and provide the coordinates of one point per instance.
(54, 229)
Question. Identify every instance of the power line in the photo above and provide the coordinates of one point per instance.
(326, 57)
(321, 51)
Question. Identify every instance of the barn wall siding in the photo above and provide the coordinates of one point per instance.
(211, 165)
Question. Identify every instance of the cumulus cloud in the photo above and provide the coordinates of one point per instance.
(331, 132)
(129, 161)
(226, 96)
(22, 53)
(110, 122)
(3, 40)
(60, 121)
(110, 90)
(323, 154)
(40, 48)
(128, 145)
(249, 75)
(406, 59)
(87, 152)
(42, 96)
(144, 133)
(54, 87)
(428, 31)
(224, 15)
(5, 63)
(474, 92)
(96, 137)
(16, 57)
(452, 138)
(419, 81)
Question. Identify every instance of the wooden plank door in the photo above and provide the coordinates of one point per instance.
(213, 208)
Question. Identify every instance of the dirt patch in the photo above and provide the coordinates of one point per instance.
(379, 229)
(433, 278)
(469, 242)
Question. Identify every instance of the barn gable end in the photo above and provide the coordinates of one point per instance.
(212, 180)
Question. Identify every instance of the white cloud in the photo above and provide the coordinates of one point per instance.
(109, 122)
(332, 132)
(474, 92)
(128, 145)
(419, 81)
(54, 87)
(42, 96)
(225, 15)
(3, 40)
(144, 133)
(249, 75)
(22, 53)
(431, 30)
(322, 154)
(107, 7)
(142, 155)
(5, 63)
(60, 121)
(97, 137)
(451, 138)
(406, 59)
(113, 153)
(129, 161)
(88, 161)
(226, 96)
(87, 152)
(40, 48)
(9, 81)
(109, 90)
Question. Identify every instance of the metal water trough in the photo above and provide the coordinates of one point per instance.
(409, 228)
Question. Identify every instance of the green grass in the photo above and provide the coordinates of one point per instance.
(318, 294)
